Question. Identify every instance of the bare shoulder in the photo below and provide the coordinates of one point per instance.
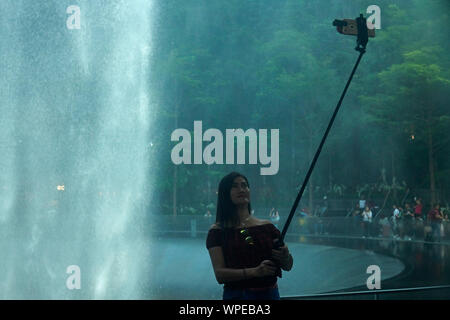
(261, 222)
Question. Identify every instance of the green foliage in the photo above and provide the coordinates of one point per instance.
(280, 64)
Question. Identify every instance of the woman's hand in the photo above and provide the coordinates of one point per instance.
(282, 257)
(266, 268)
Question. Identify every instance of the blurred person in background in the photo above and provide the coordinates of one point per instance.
(435, 220)
(274, 217)
(418, 208)
(408, 223)
(395, 222)
(367, 221)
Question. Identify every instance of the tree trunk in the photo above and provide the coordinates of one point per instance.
(292, 177)
(174, 191)
(175, 172)
(330, 172)
(311, 179)
(208, 201)
(431, 166)
(393, 173)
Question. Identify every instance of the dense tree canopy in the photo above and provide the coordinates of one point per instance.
(281, 64)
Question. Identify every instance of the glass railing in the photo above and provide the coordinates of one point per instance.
(414, 229)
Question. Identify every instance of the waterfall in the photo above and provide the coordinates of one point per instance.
(75, 173)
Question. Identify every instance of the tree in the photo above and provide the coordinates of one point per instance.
(412, 103)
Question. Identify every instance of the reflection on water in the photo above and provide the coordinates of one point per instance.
(426, 263)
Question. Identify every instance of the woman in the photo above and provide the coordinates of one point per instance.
(367, 220)
(241, 246)
(396, 222)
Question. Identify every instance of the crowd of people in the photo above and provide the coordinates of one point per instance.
(410, 221)
(407, 222)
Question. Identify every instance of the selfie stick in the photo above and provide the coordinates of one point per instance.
(361, 47)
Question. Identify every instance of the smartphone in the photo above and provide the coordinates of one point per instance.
(350, 27)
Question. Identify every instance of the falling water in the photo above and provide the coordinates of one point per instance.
(75, 170)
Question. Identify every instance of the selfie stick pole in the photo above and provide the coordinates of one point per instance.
(361, 46)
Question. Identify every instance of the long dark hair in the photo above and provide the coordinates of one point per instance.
(226, 215)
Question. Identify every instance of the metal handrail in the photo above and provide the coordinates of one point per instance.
(366, 292)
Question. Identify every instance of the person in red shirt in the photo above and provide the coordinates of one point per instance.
(418, 221)
(418, 209)
(435, 219)
(241, 246)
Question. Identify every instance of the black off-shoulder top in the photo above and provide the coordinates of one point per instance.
(239, 254)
